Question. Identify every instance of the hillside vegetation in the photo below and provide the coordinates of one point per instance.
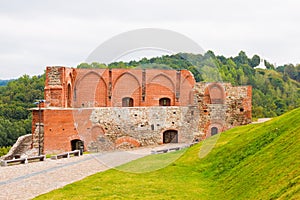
(15, 99)
(258, 161)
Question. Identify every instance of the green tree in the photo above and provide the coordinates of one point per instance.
(255, 60)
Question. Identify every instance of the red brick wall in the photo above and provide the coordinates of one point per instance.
(157, 91)
(106, 88)
(126, 85)
(59, 130)
(86, 90)
(234, 109)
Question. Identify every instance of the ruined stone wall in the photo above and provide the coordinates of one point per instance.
(86, 105)
(222, 106)
(117, 128)
(146, 125)
(22, 145)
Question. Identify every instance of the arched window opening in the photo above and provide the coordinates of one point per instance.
(164, 102)
(214, 131)
(127, 102)
(217, 95)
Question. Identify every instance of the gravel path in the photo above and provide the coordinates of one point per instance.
(26, 181)
(261, 120)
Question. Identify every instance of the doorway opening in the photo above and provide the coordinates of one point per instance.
(170, 136)
(77, 145)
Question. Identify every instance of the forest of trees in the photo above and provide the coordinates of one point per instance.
(15, 99)
(275, 90)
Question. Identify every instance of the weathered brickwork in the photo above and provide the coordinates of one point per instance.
(103, 109)
(104, 129)
(222, 106)
(67, 87)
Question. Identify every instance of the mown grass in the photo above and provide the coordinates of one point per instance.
(258, 161)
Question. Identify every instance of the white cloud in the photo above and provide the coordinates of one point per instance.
(35, 34)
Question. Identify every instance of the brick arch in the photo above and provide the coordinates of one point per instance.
(214, 94)
(217, 125)
(126, 139)
(154, 92)
(85, 91)
(123, 74)
(126, 85)
(96, 131)
(164, 80)
(73, 137)
(160, 86)
(101, 94)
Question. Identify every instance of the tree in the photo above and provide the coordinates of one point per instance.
(269, 65)
(255, 60)
(298, 73)
(291, 71)
(241, 58)
(84, 66)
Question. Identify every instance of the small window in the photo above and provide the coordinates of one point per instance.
(214, 131)
(165, 102)
(127, 102)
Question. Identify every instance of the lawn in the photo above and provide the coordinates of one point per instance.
(258, 161)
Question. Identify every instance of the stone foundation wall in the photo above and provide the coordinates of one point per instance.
(145, 125)
(103, 129)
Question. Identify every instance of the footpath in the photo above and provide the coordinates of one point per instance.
(26, 181)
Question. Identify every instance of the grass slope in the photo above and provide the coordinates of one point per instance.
(250, 162)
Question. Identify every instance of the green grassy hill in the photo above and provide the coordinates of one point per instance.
(251, 162)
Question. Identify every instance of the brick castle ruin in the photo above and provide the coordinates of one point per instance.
(106, 109)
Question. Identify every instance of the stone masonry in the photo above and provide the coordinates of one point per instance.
(107, 109)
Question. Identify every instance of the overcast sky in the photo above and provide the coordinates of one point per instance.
(36, 33)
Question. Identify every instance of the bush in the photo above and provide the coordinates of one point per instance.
(4, 150)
